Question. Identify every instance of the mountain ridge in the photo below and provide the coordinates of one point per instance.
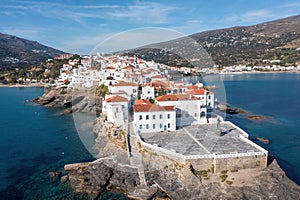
(249, 45)
(16, 52)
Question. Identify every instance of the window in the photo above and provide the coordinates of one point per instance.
(147, 117)
(153, 126)
(148, 92)
(209, 97)
(134, 90)
(169, 125)
(178, 115)
(160, 116)
(153, 117)
(169, 116)
(141, 126)
(195, 115)
(140, 117)
(147, 126)
(160, 125)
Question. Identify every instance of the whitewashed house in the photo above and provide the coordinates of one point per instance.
(189, 110)
(130, 88)
(116, 109)
(149, 117)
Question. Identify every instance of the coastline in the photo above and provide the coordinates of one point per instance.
(22, 85)
(259, 72)
(113, 179)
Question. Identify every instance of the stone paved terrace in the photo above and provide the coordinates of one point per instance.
(201, 140)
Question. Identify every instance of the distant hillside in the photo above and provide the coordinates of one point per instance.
(19, 52)
(279, 39)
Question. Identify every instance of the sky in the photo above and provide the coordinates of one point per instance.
(82, 25)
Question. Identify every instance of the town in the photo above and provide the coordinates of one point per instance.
(168, 117)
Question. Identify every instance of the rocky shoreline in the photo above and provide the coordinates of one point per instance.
(166, 179)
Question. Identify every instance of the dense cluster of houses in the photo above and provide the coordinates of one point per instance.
(141, 91)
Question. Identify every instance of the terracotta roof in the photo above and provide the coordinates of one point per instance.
(199, 91)
(175, 97)
(192, 87)
(128, 67)
(123, 83)
(152, 108)
(109, 67)
(142, 101)
(156, 84)
(157, 76)
(116, 99)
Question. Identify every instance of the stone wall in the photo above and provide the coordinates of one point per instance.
(240, 163)
(201, 164)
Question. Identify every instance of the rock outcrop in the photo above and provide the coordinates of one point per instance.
(171, 183)
(74, 101)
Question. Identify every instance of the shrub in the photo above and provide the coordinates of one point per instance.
(223, 177)
(229, 182)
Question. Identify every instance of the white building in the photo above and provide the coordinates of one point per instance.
(116, 109)
(189, 110)
(130, 88)
(149, 117)
(203, 94)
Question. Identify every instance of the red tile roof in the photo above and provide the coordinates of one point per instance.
(109, 67)
(152, 108)
(175, 97)
(123, 83)
(116, 99)
(199, 91)
(157, 76)
(142, 101)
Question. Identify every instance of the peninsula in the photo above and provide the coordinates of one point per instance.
(159, 138)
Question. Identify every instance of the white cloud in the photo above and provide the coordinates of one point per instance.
(252, 16)
(120, 41)
(28, 33)
(145, 12)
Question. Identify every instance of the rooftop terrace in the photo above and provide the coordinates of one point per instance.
(202, 140)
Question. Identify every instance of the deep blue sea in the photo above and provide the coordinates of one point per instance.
(273, 95)
(33, 142)
(276, 96)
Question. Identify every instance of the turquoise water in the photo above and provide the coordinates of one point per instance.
(34, 141)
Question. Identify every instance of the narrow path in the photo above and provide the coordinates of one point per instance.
(136, 157)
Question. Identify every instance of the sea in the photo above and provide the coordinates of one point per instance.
(35, 140)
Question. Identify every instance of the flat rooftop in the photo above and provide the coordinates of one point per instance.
(201, 140)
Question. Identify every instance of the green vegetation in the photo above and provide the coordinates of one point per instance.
(234, 170)
(223, 177)
(229, 182)
(224, 172)
(201, 173)
(101, 90)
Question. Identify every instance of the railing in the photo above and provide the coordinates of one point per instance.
(254, 145)
(183, 159)
(238, 128)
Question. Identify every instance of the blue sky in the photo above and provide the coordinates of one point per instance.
(78, 26)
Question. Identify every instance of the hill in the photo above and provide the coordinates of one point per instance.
(249, 45)
(19, 52)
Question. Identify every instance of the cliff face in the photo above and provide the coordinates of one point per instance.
(94, 178)
(79, 101)
(169, 180)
